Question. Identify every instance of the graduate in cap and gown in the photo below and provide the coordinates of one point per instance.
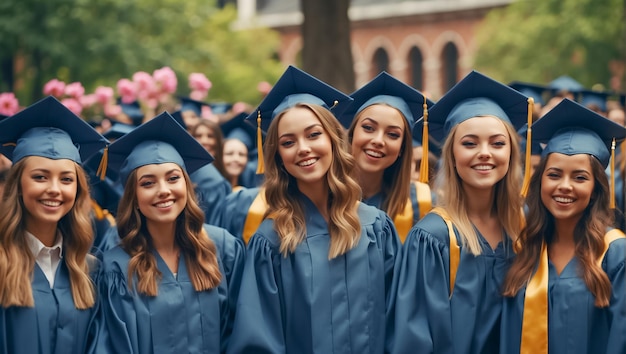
(48, 301)
(447, 290)
(380, 122)
(565, 289)
(319, 266)
(239, 152)
(165, 288)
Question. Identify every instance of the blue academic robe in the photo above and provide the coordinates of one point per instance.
(424, 317)
(53, 325)
(178, 320)
(377, 201)
(211, 188)
(575, 325)
(306, 303)
(233, 211)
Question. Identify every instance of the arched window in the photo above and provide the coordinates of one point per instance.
(416, 62)
(381, 62)
(450, 59)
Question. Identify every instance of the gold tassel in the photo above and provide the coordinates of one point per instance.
(259, 142)
(527, 164)
(424, 164)
(104, 162)
(612, 199)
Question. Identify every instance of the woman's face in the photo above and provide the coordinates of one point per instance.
(49, 189)
(482, 151)
(304, 146)
(206, 137)
(235, 157)
(161, 192)
(377, 138)
(567, 185)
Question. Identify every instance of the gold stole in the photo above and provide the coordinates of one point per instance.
(404, 220)
(101, 214)
(255, 216)
(455, 250)
(535, 317)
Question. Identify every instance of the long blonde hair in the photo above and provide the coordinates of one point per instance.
(198, 249)
(17, 264)
(280, 187)
(507, 203)
(396, 186)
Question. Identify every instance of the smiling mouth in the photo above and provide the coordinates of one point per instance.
(164, 204)
(51, 203)
(563, 200)
(376, 154)
(484, 167)
(307, 162)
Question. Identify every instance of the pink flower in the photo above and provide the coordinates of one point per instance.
(127, 90)
(198, 95)
(54, 88)
(73, 105)
(199, 82)
(207, 113)
(104, 94)
(144, 82)
(112, 110)
(239, 107)
(88, 100)
(75, 90)
(264, 87)
(8, 104)
(166, 78)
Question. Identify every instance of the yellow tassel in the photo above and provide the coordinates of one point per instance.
(259, 142)
(104, 162)
(527, 164)
(424, 164)
(612, 199)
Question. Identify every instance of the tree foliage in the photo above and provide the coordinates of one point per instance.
(539, 40)
(100, 42)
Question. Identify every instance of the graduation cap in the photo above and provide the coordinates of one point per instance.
(530, 90)
(571, 129)
(388, 90)
(178, 117)
(565, 83)
(241, 129)
(187, 104)
(293, 87)
(594, 98)
(220, 107)
(48, 129)
(157, 141)
(132, 110)
(475, 95)
(117, 130)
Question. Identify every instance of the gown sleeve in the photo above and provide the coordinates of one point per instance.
(259, 325)
(421, 313)
(614, 263)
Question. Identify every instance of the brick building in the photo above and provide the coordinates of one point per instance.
(429, 44)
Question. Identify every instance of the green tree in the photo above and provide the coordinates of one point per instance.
(99, 42)
(539, 40)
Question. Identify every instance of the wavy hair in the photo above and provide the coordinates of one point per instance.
(280, 188)
(588, 237)
(17, 263)
(396, 186)
(507, 203)
(198, 249)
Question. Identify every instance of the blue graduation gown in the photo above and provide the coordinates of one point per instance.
(233, 211)
(377, 201)
(306, 303)
(54, 325)
(424, 318)
(575, 325)
(177, 320)
(211, 188)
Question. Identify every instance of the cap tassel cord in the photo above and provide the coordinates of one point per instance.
(259, 141)
(612, 198)
(104, 162)
(527, 163)
(424, 168)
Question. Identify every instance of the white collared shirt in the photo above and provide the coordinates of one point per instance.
(48, 258)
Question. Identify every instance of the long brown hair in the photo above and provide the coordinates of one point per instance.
(588, 236)
(17, 263)
(396, 186)
(198, 249)
(280, 187)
